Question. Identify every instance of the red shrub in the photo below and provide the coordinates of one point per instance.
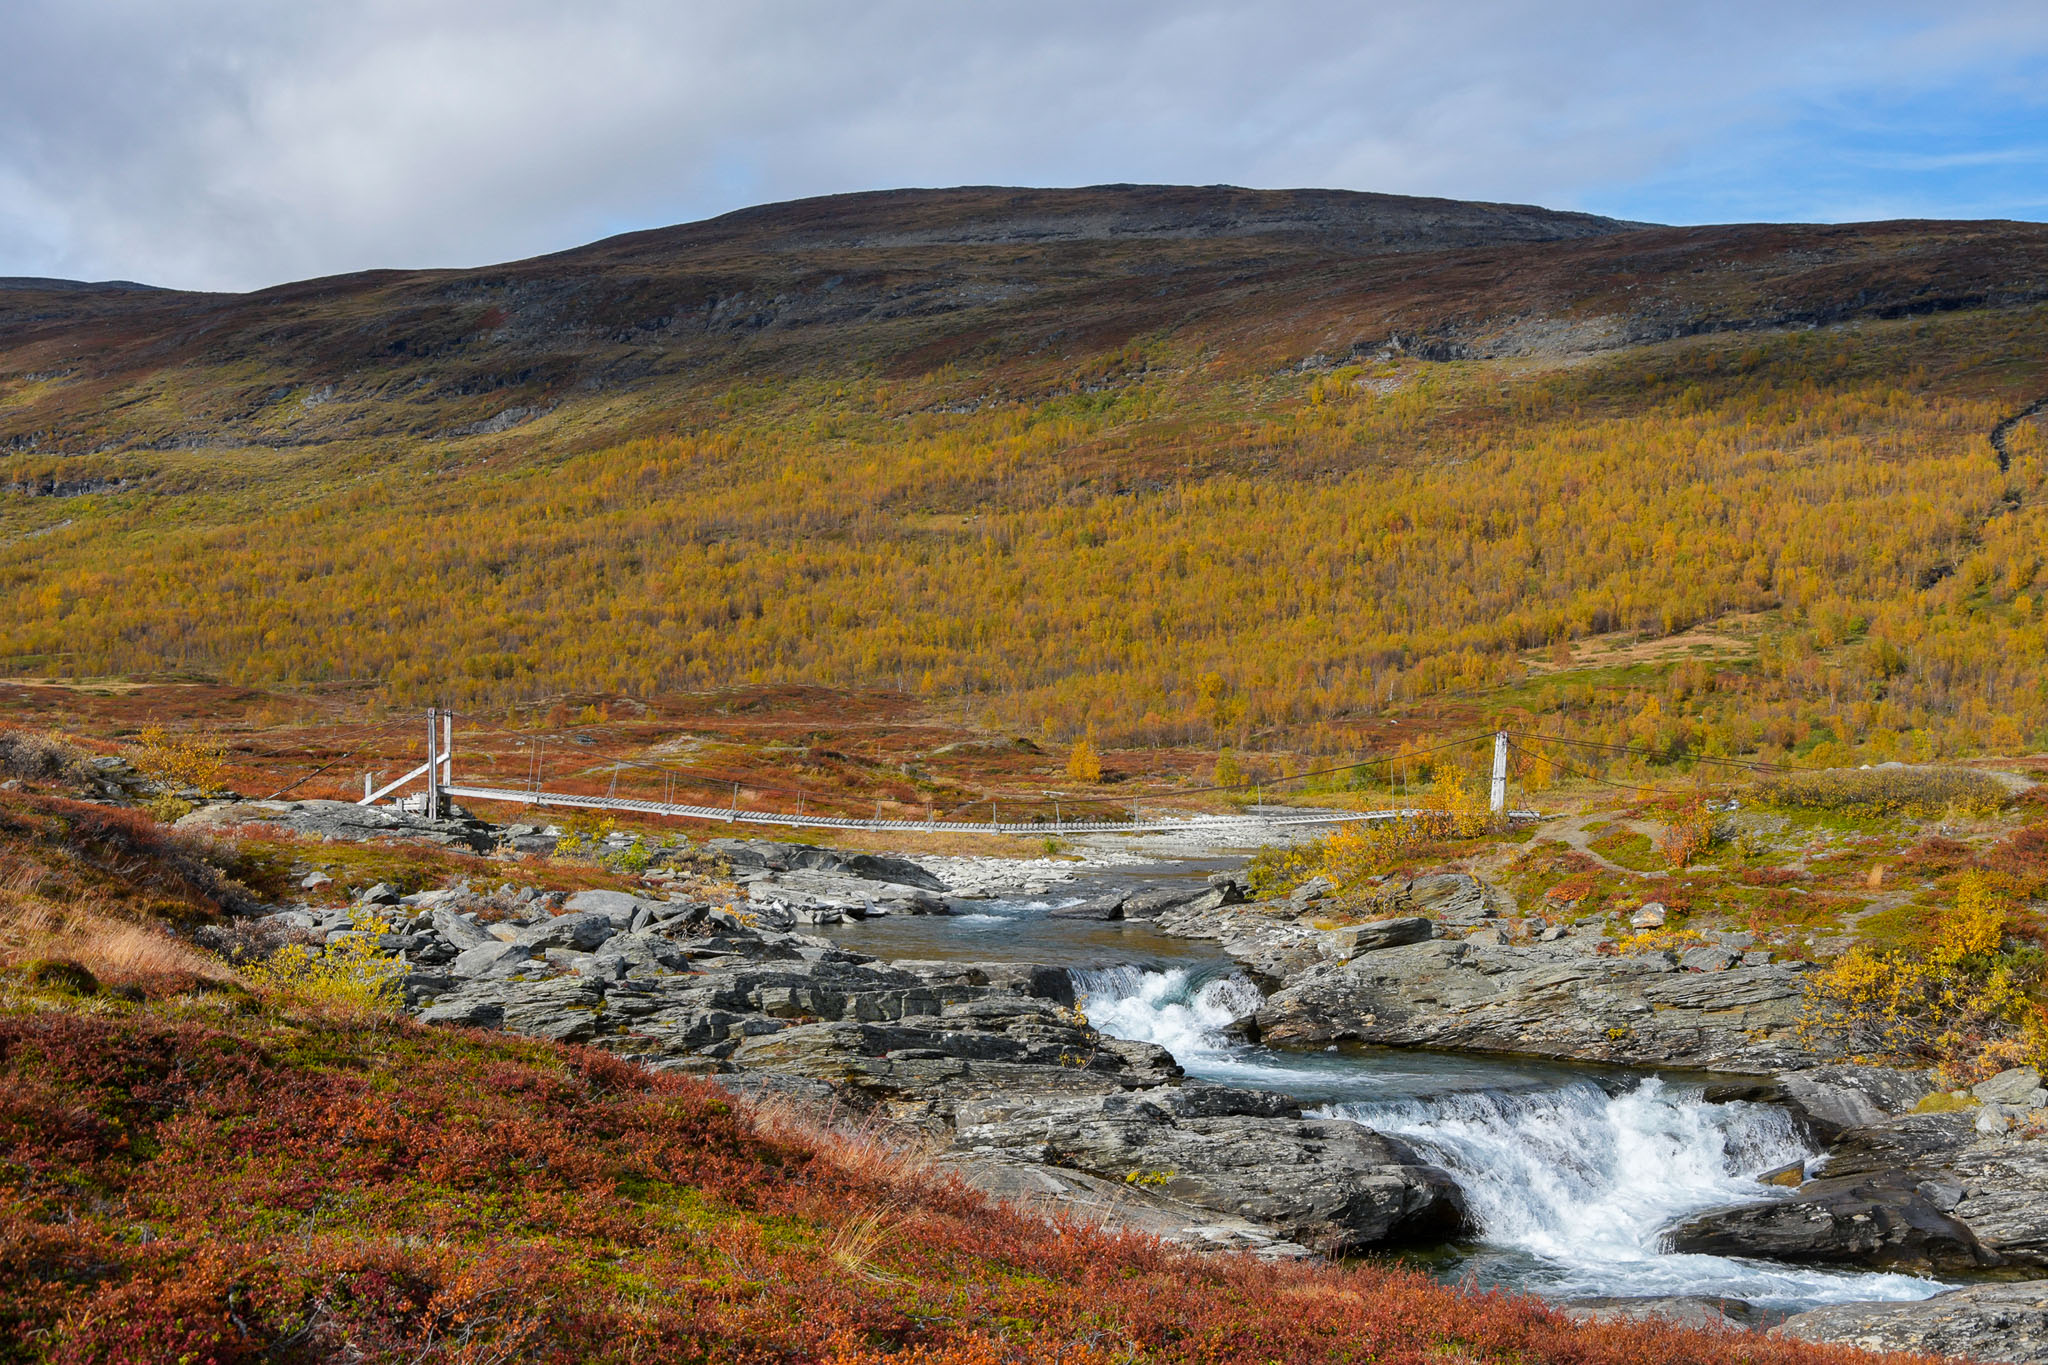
(2023, 857)
(172, 1189)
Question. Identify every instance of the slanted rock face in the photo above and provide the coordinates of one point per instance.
(1992, 1322)
(1994, 1184)
(1834, 1099)
(1546, 1000)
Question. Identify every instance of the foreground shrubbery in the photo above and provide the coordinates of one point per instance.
(99, 887)
(186, 1182)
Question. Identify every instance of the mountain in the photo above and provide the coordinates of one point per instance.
(906, 281)
(1187, 463)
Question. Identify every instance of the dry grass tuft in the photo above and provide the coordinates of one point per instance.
(117, 951)
(864, 1147)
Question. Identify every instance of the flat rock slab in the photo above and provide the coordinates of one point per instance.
(765, 855)
(807, 889)
(1681, 1310)
(1546, 1000)
(1992, 1322)
(1880, 1221)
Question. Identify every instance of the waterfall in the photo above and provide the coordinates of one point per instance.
(1184, 1012)
(1571, 1186)
(1577, 1185)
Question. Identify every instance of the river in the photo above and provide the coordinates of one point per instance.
(1571, 1172)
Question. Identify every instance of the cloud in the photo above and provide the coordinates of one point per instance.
(236, 143)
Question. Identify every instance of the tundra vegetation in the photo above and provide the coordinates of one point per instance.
(269, 1163)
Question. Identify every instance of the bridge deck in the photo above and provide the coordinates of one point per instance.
(735, 816)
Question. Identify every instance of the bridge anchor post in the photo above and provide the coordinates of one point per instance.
(1500, 773)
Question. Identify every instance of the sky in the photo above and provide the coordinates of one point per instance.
(232, 144)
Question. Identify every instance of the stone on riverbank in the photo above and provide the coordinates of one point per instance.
(1991, 1322)
(1885, 1221)
(1834, 1099)
(1326, 1183)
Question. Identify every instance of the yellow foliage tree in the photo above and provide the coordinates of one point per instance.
(180, 761)
(1084, 761)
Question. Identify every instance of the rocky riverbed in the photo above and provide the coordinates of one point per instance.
(998, 1065)
(991, 1059)
(1963, 1190)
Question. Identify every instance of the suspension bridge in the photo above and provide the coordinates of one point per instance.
(441, 786)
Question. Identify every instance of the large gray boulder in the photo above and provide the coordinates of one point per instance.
(1156, 901)
(1834, 1099)
(584, 932)
(1324, 1183)
(2021, 1086)
(764, 855)
(1990, 1322)
(620, 907)
(1109, 906)
(642, 954)
(461, 934)
(1880, 1221)
(1348, 941)
(493, 959)
(810, 892)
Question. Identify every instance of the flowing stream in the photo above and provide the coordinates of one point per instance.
(1570, 1179)
(1571, 1172)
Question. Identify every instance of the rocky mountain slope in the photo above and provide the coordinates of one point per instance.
(905, 282)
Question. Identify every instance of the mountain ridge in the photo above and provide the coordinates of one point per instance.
(906, 282)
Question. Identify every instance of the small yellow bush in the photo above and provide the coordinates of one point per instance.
(352, 977)
(175, 761)
(1084, 762)
(1353, 854)
(1957, 1000)
(1660, 940)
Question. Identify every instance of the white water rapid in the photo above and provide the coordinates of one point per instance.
(1570, 1183)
